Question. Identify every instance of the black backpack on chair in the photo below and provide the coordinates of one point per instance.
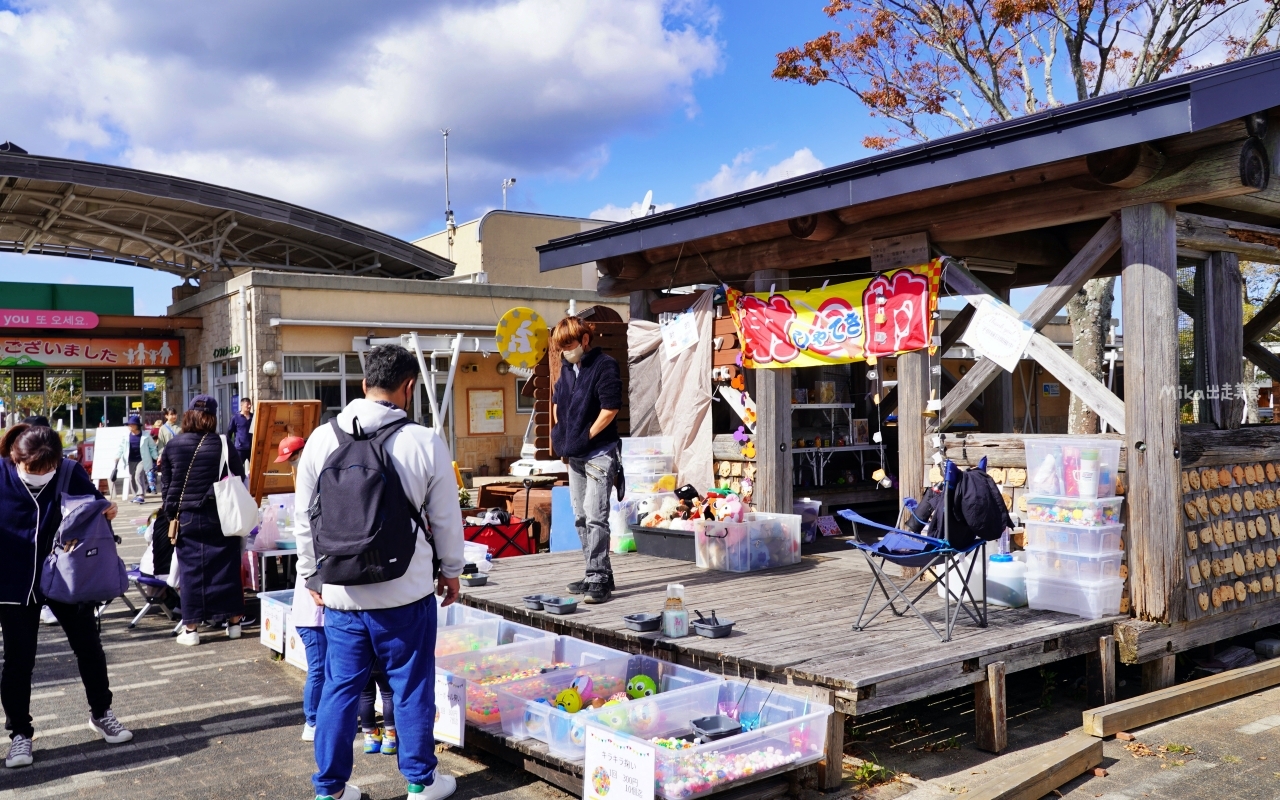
(976, 509)
(361, 520)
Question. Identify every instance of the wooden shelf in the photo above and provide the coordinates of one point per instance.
(820, 406)
(846, 449)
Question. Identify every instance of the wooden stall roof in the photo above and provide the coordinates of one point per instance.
(979, 192)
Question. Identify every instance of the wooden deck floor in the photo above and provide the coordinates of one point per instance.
(793, 625)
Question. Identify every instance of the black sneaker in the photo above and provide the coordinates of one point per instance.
(581, 587)
(598, 593)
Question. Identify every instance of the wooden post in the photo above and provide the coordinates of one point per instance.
(831, 768)
(1223, 320)
(997, 398)
(913, 397)
(772, 491)
(1158, 674)
(1152, 434)
(640, 305)
(1100, 672)
(990, 733)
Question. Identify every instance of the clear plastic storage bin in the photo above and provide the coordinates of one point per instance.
(275, 611)
(647, 446)
(774, 539)
(808, 509)
(1073, 538)
(1074, 511)
(1078, 567)
(529, 707)
(458, 614)
(650, 482)
(1053, 465)
(648, 463)
(486, 669)
(785, 732)
(1089, 600)
(721, 545)
(628, 509)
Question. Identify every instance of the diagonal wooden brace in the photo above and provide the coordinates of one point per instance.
(1104, 244)
(1048, 354)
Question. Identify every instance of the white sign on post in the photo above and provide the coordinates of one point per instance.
(998, 335)
(617, 768)
(679, 333)
(451, 715)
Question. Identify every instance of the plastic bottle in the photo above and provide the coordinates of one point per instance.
(1006, 581)
(675, 619)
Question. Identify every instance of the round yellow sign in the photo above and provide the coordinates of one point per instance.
(522, 337)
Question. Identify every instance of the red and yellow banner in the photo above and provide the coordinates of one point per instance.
(882, 316)
(41, 351)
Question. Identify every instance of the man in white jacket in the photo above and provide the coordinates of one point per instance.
(393, 621)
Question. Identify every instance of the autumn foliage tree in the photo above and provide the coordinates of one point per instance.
(934, 67)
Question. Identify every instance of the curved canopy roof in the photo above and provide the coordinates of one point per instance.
(56, 206)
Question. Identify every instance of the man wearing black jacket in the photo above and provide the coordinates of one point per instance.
(586, 400)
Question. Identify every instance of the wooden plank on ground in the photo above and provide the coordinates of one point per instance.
(1148, 708)
(990, 731)
(1047, 771)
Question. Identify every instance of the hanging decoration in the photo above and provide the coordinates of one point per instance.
(522, 337)
(856, 321)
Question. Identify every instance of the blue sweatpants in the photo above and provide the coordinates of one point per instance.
(313, 639)
(404, 640)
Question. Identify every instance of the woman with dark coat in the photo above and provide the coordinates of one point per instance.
(30, 513)
(208, 562)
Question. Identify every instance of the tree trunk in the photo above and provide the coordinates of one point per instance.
(1089, 313)
(1251, 393)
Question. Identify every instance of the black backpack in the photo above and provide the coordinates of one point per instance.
(361, 520)
(977, 510)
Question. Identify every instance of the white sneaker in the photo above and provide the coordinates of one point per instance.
(308, 733)
(443, 786)
(19, 752)
(109, 728)
(47, 616)
(189, 638)
(349, 792)
(233, 631)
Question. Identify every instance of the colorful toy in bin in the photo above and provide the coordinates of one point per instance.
(641, 686)
(1074, 511)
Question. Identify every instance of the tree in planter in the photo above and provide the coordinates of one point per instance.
(933, 67)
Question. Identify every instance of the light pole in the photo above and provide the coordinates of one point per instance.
(449, 225)
(506, 184)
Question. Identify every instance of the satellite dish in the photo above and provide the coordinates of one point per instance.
(646, 205)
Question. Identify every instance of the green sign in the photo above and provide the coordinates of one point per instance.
(229, 350)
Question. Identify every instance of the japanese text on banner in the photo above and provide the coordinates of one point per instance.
(882, 316)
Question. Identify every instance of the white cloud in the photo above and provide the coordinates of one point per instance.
(738, 176)
(623, 213)
(338, 105)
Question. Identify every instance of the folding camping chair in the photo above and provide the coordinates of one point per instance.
(935, 562)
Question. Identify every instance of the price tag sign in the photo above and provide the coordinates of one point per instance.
(679, 333)
(617, 768)
(451, 711)
(998, 335)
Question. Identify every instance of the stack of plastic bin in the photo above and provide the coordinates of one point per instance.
(529, 706)
(1074, 542)
(779, 733)
(486, 669)
(648, 462)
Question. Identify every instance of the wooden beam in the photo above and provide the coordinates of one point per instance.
(1100, 247)
(1152, 432)
(1267, 318)
(1060, 762)
(1002, 450)
(1040, 348)
(773, 424)
(1170, 702)
(1139, 642)
(1205, 175)
(1223, 339)
(1266, 360)
(1100, 672)
(1159, 673)
(989, 723)
(1252, 242)
(913, 396)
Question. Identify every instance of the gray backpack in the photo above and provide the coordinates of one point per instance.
(84, 566)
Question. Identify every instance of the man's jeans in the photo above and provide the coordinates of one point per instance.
(404, 640)
(590, 486)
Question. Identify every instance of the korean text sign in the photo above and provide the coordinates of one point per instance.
(882, 316)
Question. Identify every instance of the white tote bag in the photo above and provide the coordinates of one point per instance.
(236, 510)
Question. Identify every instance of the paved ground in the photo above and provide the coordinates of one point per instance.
(219, 720)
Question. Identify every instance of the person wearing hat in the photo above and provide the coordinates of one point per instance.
(139, 452)
(208, 562)
(290, 451)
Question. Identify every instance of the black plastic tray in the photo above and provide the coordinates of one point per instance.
(643, 622)
(475, 579)
(560, 605)
(664, 543)
(716, 727)
(534, 602)
(712, 631)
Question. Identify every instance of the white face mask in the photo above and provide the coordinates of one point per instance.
(573, 356)
(36, 481)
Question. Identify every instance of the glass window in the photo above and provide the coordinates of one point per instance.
(328, 392)
(128, 380)
(353, 365)
(97, 380)
(328, 365)
(523, 404)
(28, 380)
(354, 390)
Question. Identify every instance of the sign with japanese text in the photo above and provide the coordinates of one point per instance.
(39, 351)
(616, 767)
(882, 316)
(451, 718)
(28, 318)
(998, 335)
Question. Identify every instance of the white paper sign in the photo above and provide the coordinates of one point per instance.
(679, 333)
(998, 335)
(451, 717)
(616, 767)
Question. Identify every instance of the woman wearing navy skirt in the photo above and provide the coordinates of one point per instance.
(208, 561)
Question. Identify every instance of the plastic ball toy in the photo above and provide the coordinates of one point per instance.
(569, 701)
(641, 686)
(644, 717)
(614, 716)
